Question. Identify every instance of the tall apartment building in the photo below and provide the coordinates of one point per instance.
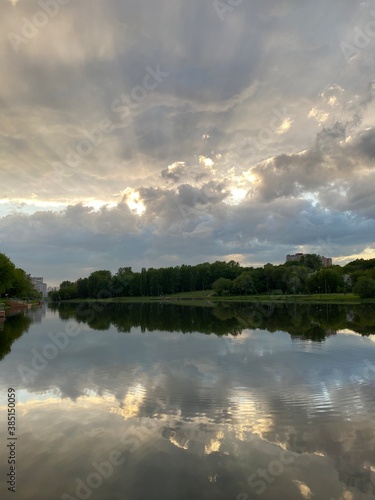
(294, 257)
(39, 285)
(326, 261)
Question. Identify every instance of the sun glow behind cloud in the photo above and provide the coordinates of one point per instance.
(208, 163)
(236, 196)
(134, 201)
(368, 253)
(241, 183)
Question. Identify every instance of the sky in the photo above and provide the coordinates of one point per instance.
(160, 132)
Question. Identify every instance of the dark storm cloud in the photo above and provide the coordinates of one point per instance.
(258, 121)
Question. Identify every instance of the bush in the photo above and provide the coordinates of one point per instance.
(365, 288)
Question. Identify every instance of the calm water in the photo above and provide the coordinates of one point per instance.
(163, 402)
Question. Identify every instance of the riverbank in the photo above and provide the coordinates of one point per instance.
(9, 304)
(207, 297)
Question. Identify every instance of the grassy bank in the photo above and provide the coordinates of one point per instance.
(207, 297)
(333, 298)
(12, 303)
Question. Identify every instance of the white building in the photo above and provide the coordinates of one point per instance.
(39, 285)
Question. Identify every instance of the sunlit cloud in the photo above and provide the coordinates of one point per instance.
(285, 126)
(332, 101)
(132, 402)
(134, 201)
(207, 162)
(236, 196)
(214, 445)
(319, 115)
(231, 152)
(175, 165)
(367, 253)
(304, 489)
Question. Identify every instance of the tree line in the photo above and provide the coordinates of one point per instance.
(306, 276)
(148, 282)
(15, 282)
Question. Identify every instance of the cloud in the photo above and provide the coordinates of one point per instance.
(256, 115)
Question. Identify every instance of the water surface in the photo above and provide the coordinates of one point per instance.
(159, 401)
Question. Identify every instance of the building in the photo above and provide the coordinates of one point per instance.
(294, 257)
(39, 285)
(326, 261)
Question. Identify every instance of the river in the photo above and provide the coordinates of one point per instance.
(165, 402)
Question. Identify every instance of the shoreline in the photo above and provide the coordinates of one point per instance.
(209, 299)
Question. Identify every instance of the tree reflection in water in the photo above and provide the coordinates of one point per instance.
(312, 321)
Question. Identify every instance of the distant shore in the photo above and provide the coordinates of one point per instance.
(207, 298)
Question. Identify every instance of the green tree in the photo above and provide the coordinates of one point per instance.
(331, 281)
(68, 290)
(365, 288)
(99, 284)
(229, 270)
(312, 261)
(21, 285)
(326, 281)
(66, 284)
(222, 286)
(295, 278)
(7, 269)
(244, 284)
(121, 282)
(203, 277)
(82, 285)
(188, 278)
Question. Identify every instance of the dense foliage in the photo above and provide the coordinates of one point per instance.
(225, 278)
(365, 287)
(148, 282)
(14, 281)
